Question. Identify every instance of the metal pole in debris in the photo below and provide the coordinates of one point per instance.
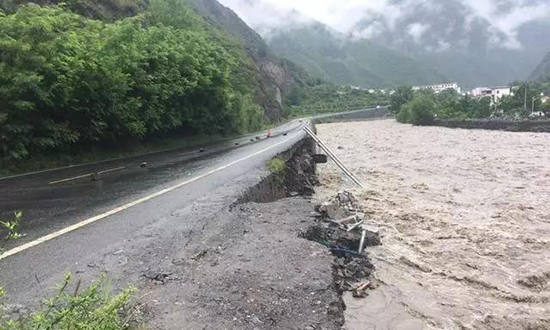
(333, 156)
(362, 242)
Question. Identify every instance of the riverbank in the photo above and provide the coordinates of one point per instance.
(464, 222)
(528, 125)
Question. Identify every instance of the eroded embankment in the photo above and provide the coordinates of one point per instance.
(349, 269)
(296, 178)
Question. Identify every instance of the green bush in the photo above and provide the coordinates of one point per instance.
(12, 226)
(92, 308)
(68, 82)
(419, 111)
(401, 96)
(422, 111)
(404, 115)
(277, 166)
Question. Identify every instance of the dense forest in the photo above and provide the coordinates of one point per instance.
(68, 81)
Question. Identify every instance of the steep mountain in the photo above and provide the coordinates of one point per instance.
(330, 55)
(274, 76)
(542, 72)
(463, 45)
(475, 43)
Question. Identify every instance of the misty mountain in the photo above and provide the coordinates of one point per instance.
(465, 47)
(472, 42)
(542, 72)
(333, 56)
(274, 77)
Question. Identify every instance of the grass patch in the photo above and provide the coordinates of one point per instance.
(277, 166)
(95, 307)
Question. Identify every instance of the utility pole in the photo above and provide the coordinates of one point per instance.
(525, 103)
(533, 105)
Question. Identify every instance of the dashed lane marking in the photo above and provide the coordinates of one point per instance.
(119, 209)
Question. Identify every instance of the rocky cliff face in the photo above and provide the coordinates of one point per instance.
(274, 76)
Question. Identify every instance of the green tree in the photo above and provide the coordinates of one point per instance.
(422, 110)
(68, 82)
(545, 108)
(419, 111)
(401, 96)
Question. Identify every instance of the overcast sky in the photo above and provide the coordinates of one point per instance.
(504, 16)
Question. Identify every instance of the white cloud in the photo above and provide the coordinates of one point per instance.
(504, 17)
(372, 30)
(508, 18)
(417, 30)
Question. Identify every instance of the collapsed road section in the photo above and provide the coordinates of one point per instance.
(267, 262)
(202, 261)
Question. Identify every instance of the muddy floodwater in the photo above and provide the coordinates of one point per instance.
(465, 219)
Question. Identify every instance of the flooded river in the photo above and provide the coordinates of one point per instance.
(465, 218)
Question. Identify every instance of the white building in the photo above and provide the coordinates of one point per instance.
(439, 87)
(495, 93)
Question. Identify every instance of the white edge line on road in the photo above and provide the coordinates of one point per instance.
(112, 170)
(119, 209)
(118, 158)
(71, 179)
(87, 175)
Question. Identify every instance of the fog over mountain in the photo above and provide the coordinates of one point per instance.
(474, 42)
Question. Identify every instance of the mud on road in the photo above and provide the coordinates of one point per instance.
(465, 221)
(248, 269)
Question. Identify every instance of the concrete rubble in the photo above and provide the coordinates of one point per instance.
(341, 227)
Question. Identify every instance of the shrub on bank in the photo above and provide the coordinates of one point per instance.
(92, 308)
(419, 111)
(404, 115)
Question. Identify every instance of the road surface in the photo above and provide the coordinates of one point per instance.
(75, 220)
(126, 199)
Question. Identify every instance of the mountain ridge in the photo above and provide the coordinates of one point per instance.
(542, 71)
(455, 38)
(331, 55)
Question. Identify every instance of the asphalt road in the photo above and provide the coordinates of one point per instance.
(72, 221)
(54, 199)
(51, 204)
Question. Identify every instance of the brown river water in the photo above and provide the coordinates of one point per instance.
(465, 220)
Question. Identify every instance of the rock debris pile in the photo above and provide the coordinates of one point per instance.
(340, 226)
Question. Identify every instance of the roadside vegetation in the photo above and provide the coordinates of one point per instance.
(94, 307)
(317, 97)
(277, 167)
(424, 106)
(12, 226)
(69, 83)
